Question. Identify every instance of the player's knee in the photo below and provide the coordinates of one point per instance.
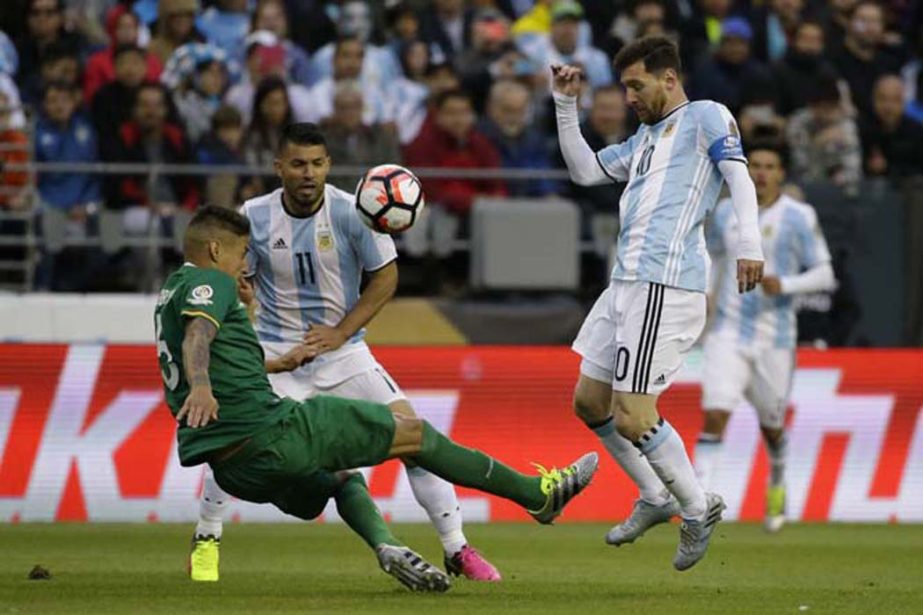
(589, 410)
(715, 422)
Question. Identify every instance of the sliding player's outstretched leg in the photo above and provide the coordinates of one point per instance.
(543, 496)
(206, 541)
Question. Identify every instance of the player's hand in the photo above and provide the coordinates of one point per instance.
(772, 285)
(321, 338)
(295, 358)
(199, 408)
(749, 274)
(566, 79)
(245, 290)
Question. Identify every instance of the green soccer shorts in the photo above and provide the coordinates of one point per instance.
(293, 463)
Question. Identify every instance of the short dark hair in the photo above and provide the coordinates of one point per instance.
(127, 48)
(657, 52)
(210, 219)
(58, 85)
(59, 50)
(824, 89)
(151, 85)
(302, 133)
(226, 116)
(768, 145)
(454, 94)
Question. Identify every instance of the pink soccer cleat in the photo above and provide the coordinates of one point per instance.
(472, 565)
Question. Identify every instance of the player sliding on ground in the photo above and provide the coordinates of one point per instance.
(634, 339)
(307, 255)
(296, 455)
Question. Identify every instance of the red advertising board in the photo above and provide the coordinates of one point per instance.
(85, 435)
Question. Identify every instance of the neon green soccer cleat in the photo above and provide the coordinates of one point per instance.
(203, 560)
(775, 509)
(561, 486)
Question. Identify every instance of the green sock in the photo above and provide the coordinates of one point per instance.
(357, 509)
(470, 468)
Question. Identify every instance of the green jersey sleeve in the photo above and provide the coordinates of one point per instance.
(208, 294)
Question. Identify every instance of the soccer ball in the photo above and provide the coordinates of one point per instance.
(389, 198)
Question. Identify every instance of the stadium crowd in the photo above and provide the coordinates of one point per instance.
(440, 83)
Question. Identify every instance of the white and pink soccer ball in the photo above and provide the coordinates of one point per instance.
(389, 198)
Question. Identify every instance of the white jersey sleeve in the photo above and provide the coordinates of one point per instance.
(374, 249)
(812, 247)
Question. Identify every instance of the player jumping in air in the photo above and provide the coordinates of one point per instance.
(297, 455)
(750, 347)
(634, 338)
(308, 251)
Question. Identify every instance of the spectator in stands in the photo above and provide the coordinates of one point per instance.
(113, 102)
(410, 92)
(148, 138)
(491, 55)
(44, 27)
(645, 18)
(731, 71)
(222, 145)
(562, 46)
(379, 66)
(774, 25)
(352, 142)
(403, 26)
(802, 66)
(450, 141)
(823, 139)
(892, 142)
(446, 25)
(508, 126)
(63, 134)
(122, 26)
(225, 24)
(175, 27)
(348, 58)
(700, 35)
(266, 57)
(760, 121)
(198, 77)
(272, 111)
(270, 16)
(59, 62)
(838, 14)
(14, 149)
(863, 58)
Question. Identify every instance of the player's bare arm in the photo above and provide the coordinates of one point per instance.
(291, 360)
(200, 406)
(382, 284)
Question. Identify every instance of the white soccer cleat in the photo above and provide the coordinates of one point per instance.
(643, 517)
(411, 570)
(695, 534)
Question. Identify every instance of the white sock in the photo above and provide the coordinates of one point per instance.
(666, 453)
(777, 453)
(632, 462)
(438, 499)
(211, 507)
(708, 452)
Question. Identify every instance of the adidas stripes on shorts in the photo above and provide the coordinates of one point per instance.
(637, 334)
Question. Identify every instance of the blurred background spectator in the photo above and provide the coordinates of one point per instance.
(892, 142)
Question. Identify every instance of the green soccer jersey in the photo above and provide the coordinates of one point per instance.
(246, 402)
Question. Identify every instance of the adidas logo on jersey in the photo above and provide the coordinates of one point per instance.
(660, 380)
(279, 244)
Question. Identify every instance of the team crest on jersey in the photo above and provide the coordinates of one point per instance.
(732, 128)
(325, 241)
(767, 232)
(165, 296)
(668, 130)
(202, 295)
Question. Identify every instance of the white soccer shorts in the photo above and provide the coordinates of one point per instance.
(351, 372)
(637, 334)
(732, 374)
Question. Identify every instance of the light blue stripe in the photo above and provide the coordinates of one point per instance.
(659, 438)
(606, 429)
(749, 311)
(268, 324)
(310, 304)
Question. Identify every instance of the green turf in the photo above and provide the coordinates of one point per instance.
(566, 569)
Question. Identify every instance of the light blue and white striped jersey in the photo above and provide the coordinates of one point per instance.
(673, 180)
(792, 242)
(308, 270)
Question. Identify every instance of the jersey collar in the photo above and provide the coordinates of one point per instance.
(292, 215)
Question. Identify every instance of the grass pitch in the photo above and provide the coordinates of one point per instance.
(566, 569)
